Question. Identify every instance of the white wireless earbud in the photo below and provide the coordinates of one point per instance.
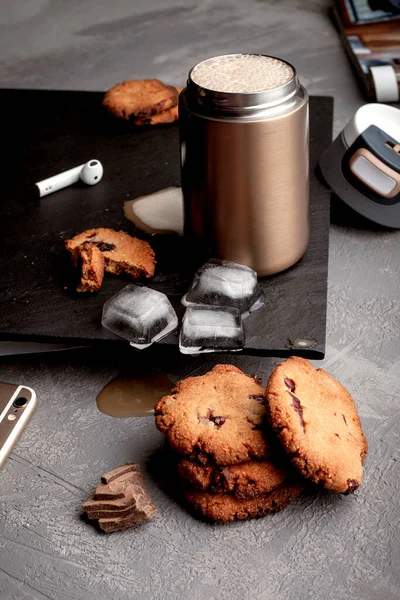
(90, 173)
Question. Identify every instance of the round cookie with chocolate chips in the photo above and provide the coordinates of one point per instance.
(140, 98)
(247, 480)
(226, 507)
(217, 417)
(316, 421)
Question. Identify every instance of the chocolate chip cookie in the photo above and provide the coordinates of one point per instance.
(140, 98)
(247, 480)
(122, 253)
(217, 417)
(317, 423)
(226, 507)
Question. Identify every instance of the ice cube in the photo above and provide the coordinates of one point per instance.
(225, 284)
(211, 329)
(140, 315)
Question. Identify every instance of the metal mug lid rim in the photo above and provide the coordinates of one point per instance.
(246, 101)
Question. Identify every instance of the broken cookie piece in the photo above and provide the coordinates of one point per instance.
(121, 253)
(89, 262)
(120, 500)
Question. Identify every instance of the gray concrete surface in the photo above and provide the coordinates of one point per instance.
(326, 547)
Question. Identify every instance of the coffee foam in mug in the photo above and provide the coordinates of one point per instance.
(241, 73)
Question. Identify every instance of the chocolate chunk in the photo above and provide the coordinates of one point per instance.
(116, 504)
(290, 384)
(106, 492)
(352, 486)
(219, 421)
(298, 408)
(104, 246)
(258, 397)
(121, 500)
(109, 525)
(344, 418)
(256, 379)
(100, 513)
(119, 471)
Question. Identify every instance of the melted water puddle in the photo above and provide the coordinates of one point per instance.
(134, 396)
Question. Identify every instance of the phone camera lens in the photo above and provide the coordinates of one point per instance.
(20, 402)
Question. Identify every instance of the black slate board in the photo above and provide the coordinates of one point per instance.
(46, 132)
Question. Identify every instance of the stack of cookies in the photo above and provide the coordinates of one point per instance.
(143, 101)
(223, 426)
(216, 425)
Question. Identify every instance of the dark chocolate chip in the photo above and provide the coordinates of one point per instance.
(257, 397)
(219, 421)
(290, 384)
(92, 235)
(104, 246)
(256, 379)
(298, 408)
(352, 486)
(344, 418)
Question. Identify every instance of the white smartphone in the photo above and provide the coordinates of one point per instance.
(17, 404)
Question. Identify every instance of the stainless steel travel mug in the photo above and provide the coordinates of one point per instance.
(245, 162)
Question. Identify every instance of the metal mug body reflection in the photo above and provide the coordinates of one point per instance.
(245, 173)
